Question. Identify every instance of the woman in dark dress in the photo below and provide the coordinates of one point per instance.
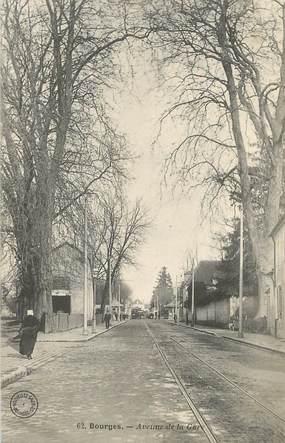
(29, 332)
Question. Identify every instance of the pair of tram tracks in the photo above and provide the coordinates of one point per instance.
(183, 389)
(233, 384)
(202, 422)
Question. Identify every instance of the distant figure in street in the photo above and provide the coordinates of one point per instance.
(116, 315)
(28, 333)
(107, 318)
(234, 323)
(175, 318)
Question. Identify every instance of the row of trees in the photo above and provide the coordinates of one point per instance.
(59, 56)
(226, 61)
(115, 233)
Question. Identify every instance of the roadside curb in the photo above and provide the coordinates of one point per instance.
(106, 330)
(196, 329)
(82, 339)
(254, 345)
(23, 371)
(238, 340)
(206, 332)
(15, 375)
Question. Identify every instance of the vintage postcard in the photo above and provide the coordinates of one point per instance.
(142, 221)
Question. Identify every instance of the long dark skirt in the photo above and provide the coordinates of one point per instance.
(27, 343)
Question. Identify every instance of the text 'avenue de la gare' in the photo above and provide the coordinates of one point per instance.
(140, 427)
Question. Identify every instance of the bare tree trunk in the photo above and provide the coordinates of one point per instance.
(245, 187)
(42, 241)
(42, 284)
(26, 296)
(105, 295)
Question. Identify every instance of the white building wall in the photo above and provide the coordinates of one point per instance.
(216, 312)
(77, 298)
(279, 295)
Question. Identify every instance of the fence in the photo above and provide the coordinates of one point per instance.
(61, 322)
(216, 313)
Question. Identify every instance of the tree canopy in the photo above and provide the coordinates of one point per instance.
(225, 62)
(59, 141)
(163, 290)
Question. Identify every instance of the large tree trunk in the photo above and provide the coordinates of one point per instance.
(261, 250)
(262, 244)
(105, 296)
(42, 284)
(42, 239)
(26, 295)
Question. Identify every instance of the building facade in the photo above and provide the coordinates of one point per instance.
(68, 281)
(275, 298)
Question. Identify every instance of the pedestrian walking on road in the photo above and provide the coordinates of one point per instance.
(28, 333)
(107, 318)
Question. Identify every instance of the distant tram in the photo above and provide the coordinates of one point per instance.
(137, 313)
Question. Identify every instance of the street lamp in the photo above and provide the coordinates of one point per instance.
(94, 277)
(119, 296)
(240, 329)
(85, 295)
(176, 301)
(110, 286)
(193, 296)
(157, 304)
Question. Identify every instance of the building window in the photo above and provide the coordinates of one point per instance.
(279, 302)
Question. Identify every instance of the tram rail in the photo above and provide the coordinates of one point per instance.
(213, 434)
(233, 384)
(201, 420)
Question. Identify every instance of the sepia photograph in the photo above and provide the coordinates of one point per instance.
(142, 221)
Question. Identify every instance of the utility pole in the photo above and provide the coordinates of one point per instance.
(193, 296)
(85, 328)
(240, 330)
(176, 302)
(157, 308)
(119, 295)
(110, 286)
(94, 277)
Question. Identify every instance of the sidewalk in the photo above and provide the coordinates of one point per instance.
(76, 334)
(263, 341)
(47, 348)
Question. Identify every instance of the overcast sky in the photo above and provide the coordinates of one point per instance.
(176, 226)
